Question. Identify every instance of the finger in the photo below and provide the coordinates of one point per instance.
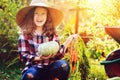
(46, 57)
(76, 36)
(40, 55)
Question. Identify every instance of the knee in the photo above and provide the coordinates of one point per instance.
(31, 73)
(30, 76)
(63, 71)
(61, 66)
(65, 66)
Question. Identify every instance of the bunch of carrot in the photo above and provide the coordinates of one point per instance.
(73, 57)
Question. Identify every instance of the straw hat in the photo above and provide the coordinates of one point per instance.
(56, 14)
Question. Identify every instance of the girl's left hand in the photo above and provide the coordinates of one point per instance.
(75, 36)
(47, 57)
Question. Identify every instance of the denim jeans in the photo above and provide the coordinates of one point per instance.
(59, 69)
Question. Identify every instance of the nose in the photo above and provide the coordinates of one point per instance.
(39, 15)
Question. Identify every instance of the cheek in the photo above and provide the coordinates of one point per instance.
(34, 19)
(45, 18)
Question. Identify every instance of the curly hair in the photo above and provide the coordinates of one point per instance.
(28, 26)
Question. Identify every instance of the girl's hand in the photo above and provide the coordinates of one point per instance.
(72, 37)
(41, 57)
(46, 57)
(69, 40)
(75, 36)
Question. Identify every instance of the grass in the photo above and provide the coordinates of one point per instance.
(11, 73)
(97, 71)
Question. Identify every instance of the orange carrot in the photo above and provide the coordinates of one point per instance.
(73, 56)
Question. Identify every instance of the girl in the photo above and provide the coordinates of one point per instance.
(38, 23)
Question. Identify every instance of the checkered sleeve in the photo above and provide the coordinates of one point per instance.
(61, 52)
(23, 49)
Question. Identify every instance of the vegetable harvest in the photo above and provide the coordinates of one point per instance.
(48, 48)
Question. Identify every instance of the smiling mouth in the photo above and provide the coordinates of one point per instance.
(39, 21)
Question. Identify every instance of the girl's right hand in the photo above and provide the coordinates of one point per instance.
(46, 57)
(41, 57)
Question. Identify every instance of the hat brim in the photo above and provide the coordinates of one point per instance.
(56, 15)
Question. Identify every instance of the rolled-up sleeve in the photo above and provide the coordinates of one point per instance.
(60, 54)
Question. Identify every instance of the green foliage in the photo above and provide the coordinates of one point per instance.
(101, 46)
(84, 66)
(11, 73)
(97, 71)
(8, 29)
(82, 69)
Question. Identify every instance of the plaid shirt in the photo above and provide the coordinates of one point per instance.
(28, 49)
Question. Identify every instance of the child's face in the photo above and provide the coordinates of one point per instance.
(40, 16)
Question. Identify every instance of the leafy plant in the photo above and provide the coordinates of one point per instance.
(81, 66)
(8, 30)
(84, 67)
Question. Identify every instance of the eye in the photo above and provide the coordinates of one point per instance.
(35, 13)
(43, 13)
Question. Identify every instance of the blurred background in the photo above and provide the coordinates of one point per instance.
(88, 18)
